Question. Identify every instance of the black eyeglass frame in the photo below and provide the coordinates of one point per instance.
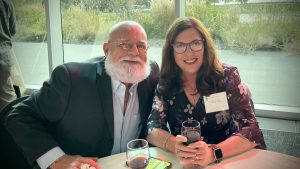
(188, 44)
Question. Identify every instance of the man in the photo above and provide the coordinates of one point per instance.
(89, 109)
(10, 73)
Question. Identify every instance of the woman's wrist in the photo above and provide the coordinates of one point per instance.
(211, 155)
(166, 142)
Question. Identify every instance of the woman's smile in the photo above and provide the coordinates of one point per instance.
(190, 61)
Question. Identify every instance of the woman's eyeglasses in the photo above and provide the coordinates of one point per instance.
(180, 47)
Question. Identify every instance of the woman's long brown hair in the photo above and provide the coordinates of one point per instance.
(170, 81)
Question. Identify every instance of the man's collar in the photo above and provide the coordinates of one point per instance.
(116, 85)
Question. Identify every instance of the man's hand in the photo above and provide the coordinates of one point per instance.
(74, 162)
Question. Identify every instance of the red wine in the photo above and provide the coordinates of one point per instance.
(138, 163)
(192, 136)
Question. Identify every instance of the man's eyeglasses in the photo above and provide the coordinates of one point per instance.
(180, 47)
(142, 47)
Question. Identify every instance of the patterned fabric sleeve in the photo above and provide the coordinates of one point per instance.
(157, 118)
(244, 122)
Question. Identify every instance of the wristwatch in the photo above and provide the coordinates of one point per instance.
(217, 153)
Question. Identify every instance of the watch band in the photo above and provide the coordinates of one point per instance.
(217, 153)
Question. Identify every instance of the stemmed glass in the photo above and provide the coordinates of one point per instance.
(191, 129)
(137, 154)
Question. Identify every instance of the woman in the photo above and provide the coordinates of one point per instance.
(190, 73)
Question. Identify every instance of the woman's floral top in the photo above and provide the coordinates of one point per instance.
(239, 120)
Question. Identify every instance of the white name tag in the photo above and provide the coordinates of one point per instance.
(216, 102)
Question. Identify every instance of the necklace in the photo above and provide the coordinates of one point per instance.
(193, 95)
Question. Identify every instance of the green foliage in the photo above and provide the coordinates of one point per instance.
(31, 22)
(158, 20)
(102, 5)
(80, 27)
(217, 18)
(244, 27)
(249, 27)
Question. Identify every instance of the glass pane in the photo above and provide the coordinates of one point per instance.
(86, 24)
(262, 40)
(29, 43)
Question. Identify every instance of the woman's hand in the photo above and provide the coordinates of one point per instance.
(184, 153)
(198, 153)
(74, 162)
(204, 154)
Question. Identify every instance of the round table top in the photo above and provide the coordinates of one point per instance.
(252, 159)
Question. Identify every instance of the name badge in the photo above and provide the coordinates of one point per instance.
(216, 102)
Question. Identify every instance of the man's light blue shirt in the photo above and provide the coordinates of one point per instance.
(126, 126)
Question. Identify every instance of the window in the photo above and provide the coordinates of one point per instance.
(261, 38)
(30, 43)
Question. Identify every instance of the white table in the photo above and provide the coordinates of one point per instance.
(253, 159)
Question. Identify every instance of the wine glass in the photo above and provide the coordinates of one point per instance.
(137, 154)
(191, 129)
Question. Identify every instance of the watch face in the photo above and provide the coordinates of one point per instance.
(218, 153)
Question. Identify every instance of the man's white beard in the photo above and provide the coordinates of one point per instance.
(127, 72)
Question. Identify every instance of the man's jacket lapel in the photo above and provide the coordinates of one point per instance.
(105, 95)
